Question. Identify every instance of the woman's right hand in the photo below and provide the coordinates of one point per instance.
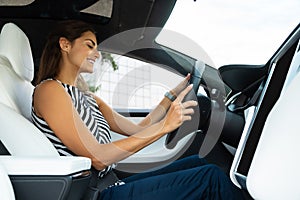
(182, 85)
(179, 111)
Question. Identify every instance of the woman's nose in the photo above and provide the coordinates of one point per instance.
(97, 54)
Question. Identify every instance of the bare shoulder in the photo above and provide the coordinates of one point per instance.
(48, 95)
(48, 88)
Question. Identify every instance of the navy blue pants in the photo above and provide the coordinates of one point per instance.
(189, 178)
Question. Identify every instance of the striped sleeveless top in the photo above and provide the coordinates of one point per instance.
(90, 114)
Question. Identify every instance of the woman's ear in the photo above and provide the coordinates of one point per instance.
(64, 44)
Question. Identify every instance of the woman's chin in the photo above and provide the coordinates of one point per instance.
(90, 71)
(87, 69)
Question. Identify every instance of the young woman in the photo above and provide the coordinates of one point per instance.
(79, 123)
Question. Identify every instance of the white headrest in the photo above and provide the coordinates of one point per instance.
(15, 46)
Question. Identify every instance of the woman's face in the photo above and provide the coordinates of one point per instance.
(83, 52)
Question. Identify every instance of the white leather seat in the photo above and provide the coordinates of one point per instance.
(31, 153)
(274, 172)
(18, 135)
(21, 137)
(16, 69)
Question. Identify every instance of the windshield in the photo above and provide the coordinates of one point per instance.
(232, 31)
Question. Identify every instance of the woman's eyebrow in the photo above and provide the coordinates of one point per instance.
(91, 41)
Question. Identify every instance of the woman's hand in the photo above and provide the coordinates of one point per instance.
(179, 111)
(181, 86)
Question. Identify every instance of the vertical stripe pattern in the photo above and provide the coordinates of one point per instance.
(90, 114)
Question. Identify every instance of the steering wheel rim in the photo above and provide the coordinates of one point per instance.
(188, 127)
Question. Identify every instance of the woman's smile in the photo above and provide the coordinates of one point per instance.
(90, 60)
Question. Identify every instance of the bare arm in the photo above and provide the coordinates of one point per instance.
(124, 126)
(53, 104)
(161, 109)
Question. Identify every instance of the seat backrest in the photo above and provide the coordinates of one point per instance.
(274, 172)
(18, 135)
(16, 69)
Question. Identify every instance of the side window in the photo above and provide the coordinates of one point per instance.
(133, 85)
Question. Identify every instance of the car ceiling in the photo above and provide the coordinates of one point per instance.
(38, 17)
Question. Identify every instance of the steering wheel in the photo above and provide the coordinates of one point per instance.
(188, 126)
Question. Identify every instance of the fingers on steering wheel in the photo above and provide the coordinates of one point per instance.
(183, 93)
(188, 77)
(190, 103)
(186, 80)
(188, 111)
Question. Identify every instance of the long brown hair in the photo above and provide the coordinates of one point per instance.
(51, 56)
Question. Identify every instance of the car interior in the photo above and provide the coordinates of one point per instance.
(248, 114)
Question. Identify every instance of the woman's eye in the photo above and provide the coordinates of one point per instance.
(90, 46)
